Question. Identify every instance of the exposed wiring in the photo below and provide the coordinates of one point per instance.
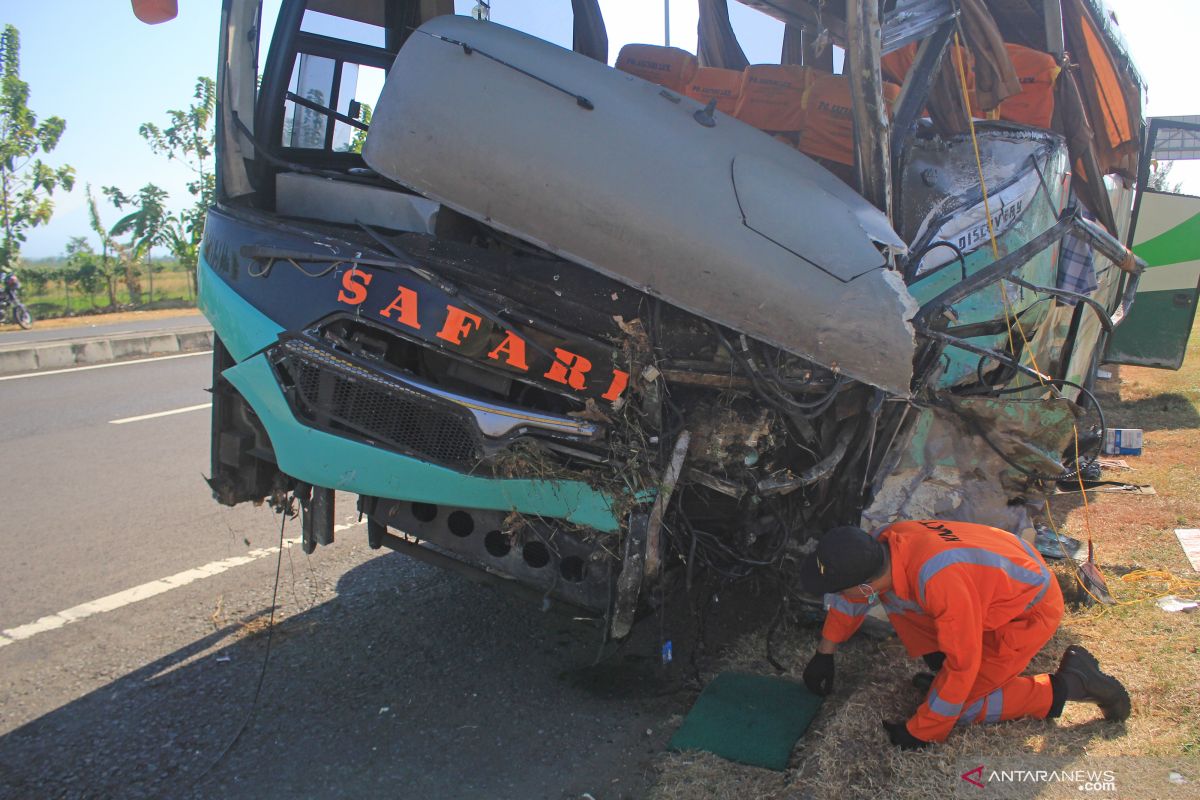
(927, 249)
(265, 271)
(780, 615)
(777, 397)
(262, 673)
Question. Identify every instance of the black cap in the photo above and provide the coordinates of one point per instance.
(844, 557)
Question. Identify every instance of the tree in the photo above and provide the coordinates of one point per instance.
(146, 226)
(107, 265)
(35, 278)
(81, 267)
(184, 232)
(27, 184)
(1159, 171)
(189, 139)
(360, 136)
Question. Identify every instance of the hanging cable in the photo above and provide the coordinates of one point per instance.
(1078, 471)
(262, 673)
(915, 261)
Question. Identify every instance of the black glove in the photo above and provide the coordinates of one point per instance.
(818, 675)
(898, 733)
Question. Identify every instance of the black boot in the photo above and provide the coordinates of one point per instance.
(1079, 678)
(1058, 697)
(924, 680)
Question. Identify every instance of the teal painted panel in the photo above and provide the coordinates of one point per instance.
(1155, 334)
(244, 330)
(988, 303)
(323, 459)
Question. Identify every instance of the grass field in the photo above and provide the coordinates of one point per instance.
(1156, 654)
(171, 289)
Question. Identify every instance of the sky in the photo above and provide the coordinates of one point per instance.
(96, 66)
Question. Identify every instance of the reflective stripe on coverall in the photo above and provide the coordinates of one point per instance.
(980, 595)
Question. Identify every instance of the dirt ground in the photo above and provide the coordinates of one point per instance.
(83, 320)
(1156, 654)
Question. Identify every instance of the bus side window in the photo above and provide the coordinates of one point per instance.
(339, 69)
(360, 90)
(312, 79)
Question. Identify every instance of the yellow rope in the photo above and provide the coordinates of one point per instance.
(1010, 316)
(1062, 547)
(1174, 584)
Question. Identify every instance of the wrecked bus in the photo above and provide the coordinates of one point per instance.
(598, 331)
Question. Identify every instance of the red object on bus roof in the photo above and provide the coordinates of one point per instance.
(153, 12)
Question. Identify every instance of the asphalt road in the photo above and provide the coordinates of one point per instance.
(386, 677)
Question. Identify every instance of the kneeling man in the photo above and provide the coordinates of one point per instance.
(977, 603)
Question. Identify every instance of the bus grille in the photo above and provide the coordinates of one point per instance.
(334, 394)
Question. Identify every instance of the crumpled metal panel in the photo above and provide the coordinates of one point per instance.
(940, 468)
(939, 179)
(640, 190)
(1031, 432)
(759, 184)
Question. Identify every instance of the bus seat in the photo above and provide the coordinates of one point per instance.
(772, 96)
(828, 119)
(1037, 72)
(715, 83)
(669, 67)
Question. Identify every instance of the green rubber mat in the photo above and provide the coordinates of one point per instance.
(750, 719)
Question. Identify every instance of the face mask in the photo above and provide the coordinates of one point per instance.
(872, 595)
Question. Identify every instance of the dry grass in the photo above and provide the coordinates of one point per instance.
(846, 754)
(81, 320)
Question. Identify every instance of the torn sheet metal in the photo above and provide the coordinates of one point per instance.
(619, 175)
(1033, 433)
(941, 468)
(940, 198)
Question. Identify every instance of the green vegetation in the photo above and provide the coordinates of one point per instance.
(27, 184)
(189, 139)
(146, 227)
(83, 280)
(77, 284)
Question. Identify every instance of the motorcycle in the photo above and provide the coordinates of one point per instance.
(9, 298)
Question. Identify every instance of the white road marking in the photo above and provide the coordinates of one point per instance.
(121, 599)
(103, 366)
(159, 414)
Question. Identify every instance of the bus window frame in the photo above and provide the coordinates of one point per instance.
(287, 43)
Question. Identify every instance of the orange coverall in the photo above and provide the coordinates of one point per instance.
(982, 596)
